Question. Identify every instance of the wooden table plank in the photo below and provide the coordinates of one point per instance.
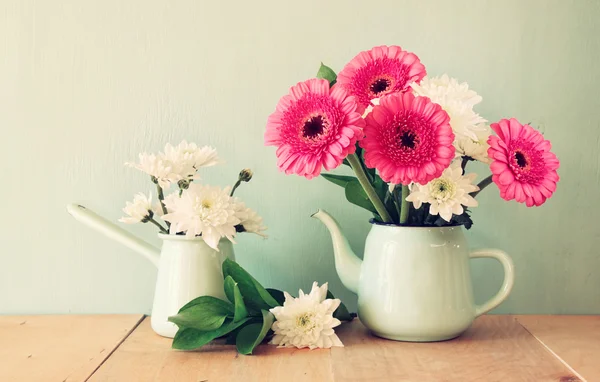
(145, 356)
(495, 348)
(574, 339)
(59, 348)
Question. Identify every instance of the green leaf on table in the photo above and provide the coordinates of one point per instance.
(255, 295)
(340, 180)
(341, 313)
(191, 339)
(277, 295)
(327, 73)
(252, 335)
(206, 315)
(232, 291)
(357, 195)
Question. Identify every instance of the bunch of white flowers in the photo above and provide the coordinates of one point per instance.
(193, 209)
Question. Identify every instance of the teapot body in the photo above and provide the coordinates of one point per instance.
(415, 283)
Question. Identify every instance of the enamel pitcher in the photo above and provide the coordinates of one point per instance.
(187, 267)
(414, 283)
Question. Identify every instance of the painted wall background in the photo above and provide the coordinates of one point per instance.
(86, 85)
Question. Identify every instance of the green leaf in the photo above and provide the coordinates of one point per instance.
(277, 295)
(234, 295)
(341, 313)
(340, 180)
(208, 300)
(357, 195)
(206, 315)
(251, 335)
(327, 73)
(255, 295)
(190, 338)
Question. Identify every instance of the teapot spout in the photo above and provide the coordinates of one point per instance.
(112, 231)
(347, 264)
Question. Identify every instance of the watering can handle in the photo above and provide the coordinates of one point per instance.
(507, 284)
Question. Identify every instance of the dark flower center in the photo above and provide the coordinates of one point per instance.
(408, 140)
(313, 127)
(380, 85)
(521, 159)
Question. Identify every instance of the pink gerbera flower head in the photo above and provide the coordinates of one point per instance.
(408, 139)
(380, 71)
(522, 165)
(314, 126)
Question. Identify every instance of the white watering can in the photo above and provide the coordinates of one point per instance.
(187, 267)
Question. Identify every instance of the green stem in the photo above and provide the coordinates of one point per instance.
(236, 185)
(463, 163)
(483, 184)
(161, 198)
(366, 185)
(162, 229)
(405, 209)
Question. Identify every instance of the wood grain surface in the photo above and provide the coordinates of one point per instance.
(496, 348)
(574, 339)
(59, 348)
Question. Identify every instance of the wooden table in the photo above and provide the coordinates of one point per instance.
(124, 348)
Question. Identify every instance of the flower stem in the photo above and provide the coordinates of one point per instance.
(405, 209)
(463, 164)
(161, 198)
(162, 229)
(366, 185)
(235, 186)
(483, 184)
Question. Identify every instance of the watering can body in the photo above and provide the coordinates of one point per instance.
(414, 283)
(187, 267)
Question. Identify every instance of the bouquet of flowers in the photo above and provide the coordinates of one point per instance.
(192, 209)
(408, 138)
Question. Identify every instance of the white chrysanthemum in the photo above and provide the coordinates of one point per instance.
(249, 219)
(447, 194)
(202, 210)
(306, 321)
(187, 158)
(176, 163)
(138, 210)
(158, 167)
(456, 99)
(476, 149)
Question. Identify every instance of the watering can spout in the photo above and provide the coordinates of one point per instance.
(112, 231)
(347, 264)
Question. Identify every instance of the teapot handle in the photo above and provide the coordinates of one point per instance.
(509, 278)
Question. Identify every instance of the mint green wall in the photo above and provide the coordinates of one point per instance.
(86, 85)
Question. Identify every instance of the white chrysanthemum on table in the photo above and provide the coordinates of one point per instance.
(202, 210)
(456, 99)
(447, 194)
(306, 321)
(474, 148)
(139, 210)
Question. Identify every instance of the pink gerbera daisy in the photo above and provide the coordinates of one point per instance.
(380, 71)
(522, 165)
(408, 139)
(314, 126)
